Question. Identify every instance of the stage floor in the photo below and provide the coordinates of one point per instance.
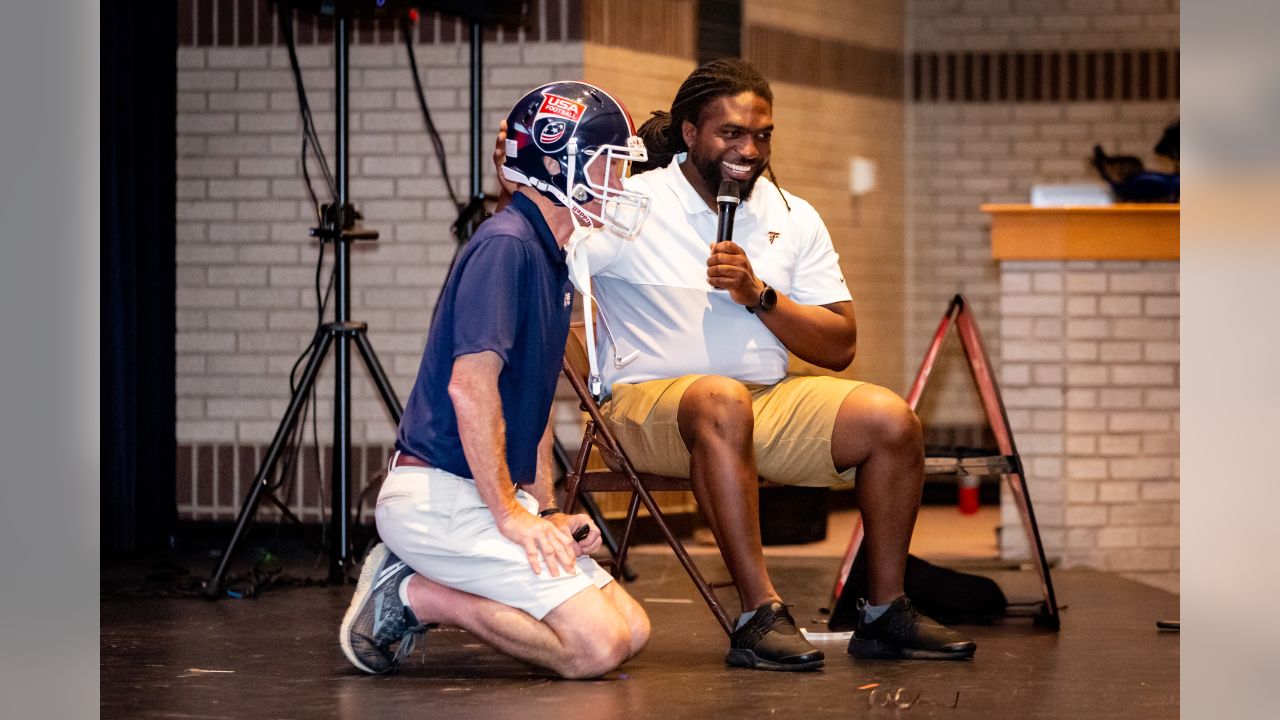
(277, 656)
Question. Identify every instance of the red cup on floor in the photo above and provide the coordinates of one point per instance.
(968, 501)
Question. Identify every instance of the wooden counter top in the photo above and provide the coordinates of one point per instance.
(1114, 232)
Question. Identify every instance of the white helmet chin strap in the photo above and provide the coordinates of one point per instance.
(580, 276)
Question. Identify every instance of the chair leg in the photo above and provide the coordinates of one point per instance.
(573, 475)
(625, 544)
(704, 588)
(571, 492)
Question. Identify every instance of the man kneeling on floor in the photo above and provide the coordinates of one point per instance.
(472, 535)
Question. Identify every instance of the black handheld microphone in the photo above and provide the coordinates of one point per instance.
(728, 199)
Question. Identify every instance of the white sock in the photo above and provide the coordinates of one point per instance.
(873, 612)
(404, 591)
(744, 618)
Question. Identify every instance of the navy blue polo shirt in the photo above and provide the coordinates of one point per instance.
(508, 292)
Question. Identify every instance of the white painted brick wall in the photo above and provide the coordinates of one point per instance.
(246, 305)
(949, 238)
(961, 155)
(1117, 447)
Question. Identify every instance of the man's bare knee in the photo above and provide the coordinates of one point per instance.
(637, 633)
(595, 636)
(640, 630)
(593, 654)
(900, 425)
(880, 416)
(715, 407)
(634, 616)
(875, 420)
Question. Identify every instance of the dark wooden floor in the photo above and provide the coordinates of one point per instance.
(277, 656)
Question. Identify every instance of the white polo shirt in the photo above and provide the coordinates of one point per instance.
(653, 291)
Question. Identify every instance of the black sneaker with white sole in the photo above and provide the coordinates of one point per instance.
(771, 641)
(377, 619)
(902, 633)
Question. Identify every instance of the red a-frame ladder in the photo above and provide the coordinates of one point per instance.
(1007, 465)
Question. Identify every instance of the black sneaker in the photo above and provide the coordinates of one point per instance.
(770, 641)
(903, 633)
(377, 619)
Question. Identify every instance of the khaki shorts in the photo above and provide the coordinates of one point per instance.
(794, 421)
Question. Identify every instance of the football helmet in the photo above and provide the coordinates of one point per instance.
(581, 127)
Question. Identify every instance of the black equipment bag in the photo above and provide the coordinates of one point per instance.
(948, 596)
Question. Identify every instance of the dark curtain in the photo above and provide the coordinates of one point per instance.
(139, 132)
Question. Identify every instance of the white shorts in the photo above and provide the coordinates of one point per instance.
(437, 523)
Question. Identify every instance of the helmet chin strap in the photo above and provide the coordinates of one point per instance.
(580, 276)
(579, 267)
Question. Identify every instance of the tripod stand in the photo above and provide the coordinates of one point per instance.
(338, 228)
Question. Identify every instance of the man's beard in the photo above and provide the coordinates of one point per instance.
(709, 169)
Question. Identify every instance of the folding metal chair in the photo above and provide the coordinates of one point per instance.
(622, 477)
(1008, 464)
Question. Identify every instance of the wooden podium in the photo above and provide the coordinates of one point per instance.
(1113, 232)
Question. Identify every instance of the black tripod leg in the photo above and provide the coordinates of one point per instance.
(291, 517)
(380, 380)
(213, 586)
(379, 376)
(592, 510)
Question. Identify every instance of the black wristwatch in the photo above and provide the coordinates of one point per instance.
(768, 301)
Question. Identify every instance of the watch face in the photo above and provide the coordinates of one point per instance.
(768, 298)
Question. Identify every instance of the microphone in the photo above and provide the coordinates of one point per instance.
(727, 199)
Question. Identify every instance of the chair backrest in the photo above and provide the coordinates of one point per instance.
(575, 350)
(576, 369)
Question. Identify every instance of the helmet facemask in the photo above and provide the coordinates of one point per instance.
(620, 211)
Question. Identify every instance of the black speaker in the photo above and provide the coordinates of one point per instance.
(497, 12)
(793, 515)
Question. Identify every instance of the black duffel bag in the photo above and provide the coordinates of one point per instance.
(948, 596)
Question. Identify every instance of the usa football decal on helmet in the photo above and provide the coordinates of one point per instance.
(556, 119)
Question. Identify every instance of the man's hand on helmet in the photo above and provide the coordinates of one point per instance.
(506, 187)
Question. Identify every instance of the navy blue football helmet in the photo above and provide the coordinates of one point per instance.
(580, 127)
